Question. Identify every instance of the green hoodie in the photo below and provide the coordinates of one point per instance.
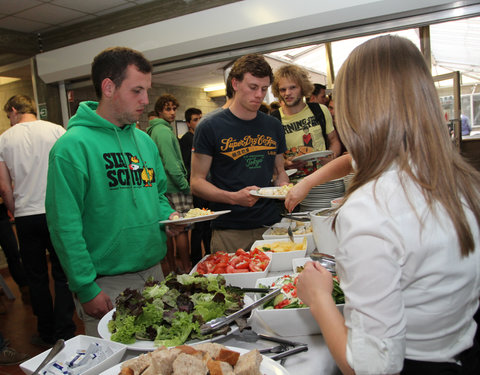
(102, 210)
(169, 149)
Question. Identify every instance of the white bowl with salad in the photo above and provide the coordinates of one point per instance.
(241, 269)
(286, 315)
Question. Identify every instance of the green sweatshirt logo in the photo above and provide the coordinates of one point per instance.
(124, 170)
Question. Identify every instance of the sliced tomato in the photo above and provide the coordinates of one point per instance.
(241, 252)
(230, 269)
(254, 268)
(220, 269)
(259, 264)
(242, 265)
(282, 304)
(202, 268)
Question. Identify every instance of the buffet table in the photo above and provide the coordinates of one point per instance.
(316, 361)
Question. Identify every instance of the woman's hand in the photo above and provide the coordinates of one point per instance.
(297, 194)
(314, 283)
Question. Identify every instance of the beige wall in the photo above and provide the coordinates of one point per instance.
(187, 97)
(6, 92)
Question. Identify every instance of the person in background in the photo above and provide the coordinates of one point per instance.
(466, 127)
(9, 245)
(192, 118)
(318, 94)
(106, 190)
(178, 188)
(201, 231)
(274, 106)
(152, 115)
(240, 148)
(8, 355)
(408, 227)
(265, 108)
(302, 120)
(24, 152)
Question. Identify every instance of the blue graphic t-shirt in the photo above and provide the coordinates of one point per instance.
(243, 154)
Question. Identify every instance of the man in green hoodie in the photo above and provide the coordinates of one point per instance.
(105, 190)
(178, 189)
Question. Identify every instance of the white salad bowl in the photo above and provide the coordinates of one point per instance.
(284, 322)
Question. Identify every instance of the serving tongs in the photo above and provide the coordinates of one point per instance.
(297, 216)
(218, 323)
(285, 349)
(250, 290)
(326, 261)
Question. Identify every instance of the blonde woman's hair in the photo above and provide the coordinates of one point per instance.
(403, 124)
(295, 74)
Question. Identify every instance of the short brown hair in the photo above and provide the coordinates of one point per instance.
(296, 74)
(22, 104)
(252, 63)
(163, 100)
(113, 63)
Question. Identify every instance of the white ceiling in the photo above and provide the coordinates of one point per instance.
(455, 45)
(44, 15)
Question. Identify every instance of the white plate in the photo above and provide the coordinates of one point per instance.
(313, 155)
(291, 171)
(267, 367)
(196, 219)
(145, 345)
(268, 192)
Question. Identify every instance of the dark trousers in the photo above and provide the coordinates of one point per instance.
(9, 245)
(469, 365)
(201, 231)
(54, 317)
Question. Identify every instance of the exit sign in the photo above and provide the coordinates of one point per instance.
(42, 111)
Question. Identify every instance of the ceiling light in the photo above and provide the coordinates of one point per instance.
(5, 80)
(214, 87)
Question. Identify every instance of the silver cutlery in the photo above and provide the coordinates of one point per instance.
(57, 348)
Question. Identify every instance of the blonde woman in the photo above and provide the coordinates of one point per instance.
(408, 228)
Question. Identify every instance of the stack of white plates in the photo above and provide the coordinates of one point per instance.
(320, 196)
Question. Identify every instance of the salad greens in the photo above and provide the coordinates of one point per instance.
(171, 312)
(288, 298)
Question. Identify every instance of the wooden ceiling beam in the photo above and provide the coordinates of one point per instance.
(18, 43)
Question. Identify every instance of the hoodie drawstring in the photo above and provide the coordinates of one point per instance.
(127, 164)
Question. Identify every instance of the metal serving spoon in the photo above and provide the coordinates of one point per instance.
(326, 261)
(289, 230)
(57, 348)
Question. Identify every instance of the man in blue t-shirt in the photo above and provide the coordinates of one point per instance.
(240, 149)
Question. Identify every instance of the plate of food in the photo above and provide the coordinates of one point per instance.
(196, 215)
(273, 192)
(200, 359)
(313, 155)
(170, 312)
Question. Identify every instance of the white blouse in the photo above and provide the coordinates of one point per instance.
(409, 293)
